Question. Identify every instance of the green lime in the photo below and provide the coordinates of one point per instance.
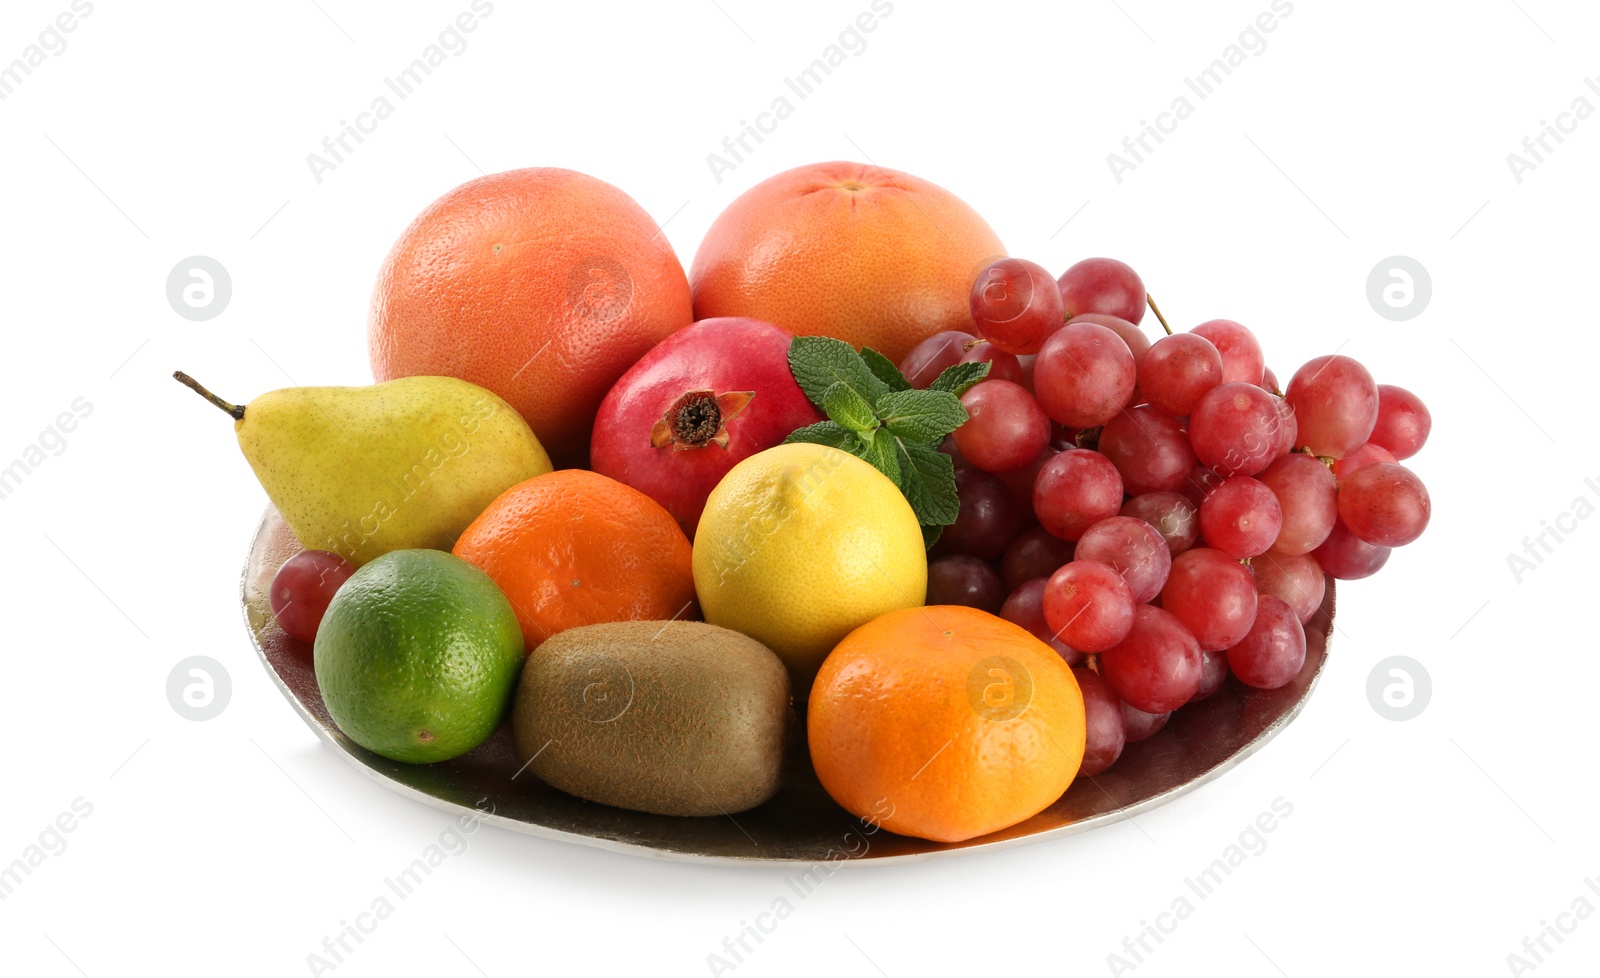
(418, 656)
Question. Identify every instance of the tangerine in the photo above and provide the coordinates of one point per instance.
(945, 723)
(573, 548)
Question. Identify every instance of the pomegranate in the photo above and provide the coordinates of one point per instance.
(701, 401)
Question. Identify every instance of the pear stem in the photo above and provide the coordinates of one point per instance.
(235, 411)
(1157, 310)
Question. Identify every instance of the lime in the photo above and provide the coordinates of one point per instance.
(418, 656)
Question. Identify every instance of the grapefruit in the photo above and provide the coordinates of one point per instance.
(543, 285)
(871, 256)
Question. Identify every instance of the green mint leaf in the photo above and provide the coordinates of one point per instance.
(829, 433)
(881, 452)
(922, 416)
(842, 403)
(884, 369)
(928, 479)
(958, 378)
(819, 362)
(874, 414)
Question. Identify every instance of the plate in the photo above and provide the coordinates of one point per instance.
(801, 824)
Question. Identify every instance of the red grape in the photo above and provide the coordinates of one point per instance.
(1131, 547)
(1005, 429)
(1173, 516)
(1075, 490)
(1308, 492)
(1309, 495)
(1150, 450)
(1157, 668)
(1131, 334)
(1034, 553)
(1269, 381)
(1084, 375)
(1002, 365)
(1213, 595)
(303, 587)
(1088, 605)
(1199, 484)
(1335, 403)
(1241, 517)
(1403, 422)
(1235, 429)
(1296, 578)
(1242, 361)
(1025, 607)
(1103, 285)
(1345, 557)
(987, 519)
(928, 359)
(1288, 427)
(1363, 456)
(1140, 725)
(1274, 651)
(965, 580)
(1104, 733)
(1384, 504)
(1016, 304)
(1213, 673)
(1062, 437)
(1021, 483)
(1176, 370)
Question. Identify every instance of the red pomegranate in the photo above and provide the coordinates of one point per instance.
(701, 401)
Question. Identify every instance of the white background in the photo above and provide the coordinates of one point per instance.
(1363, 130)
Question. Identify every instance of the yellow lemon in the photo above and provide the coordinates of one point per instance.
(800, 544)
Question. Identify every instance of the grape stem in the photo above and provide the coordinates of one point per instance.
(1157, 310)
(235, 411)
(1327, 460)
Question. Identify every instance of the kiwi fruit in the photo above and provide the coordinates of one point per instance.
(674, 718)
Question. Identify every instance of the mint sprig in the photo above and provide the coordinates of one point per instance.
(884, 369)
(921, 416)
(846, 405)
(874, 414)
(959, 378)
(818, 363)
(830, 433)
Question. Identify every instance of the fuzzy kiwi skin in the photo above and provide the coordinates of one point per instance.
(674, 718)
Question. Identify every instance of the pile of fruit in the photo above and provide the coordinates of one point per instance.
(858, 479)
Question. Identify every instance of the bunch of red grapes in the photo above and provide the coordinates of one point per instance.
(1159, 513)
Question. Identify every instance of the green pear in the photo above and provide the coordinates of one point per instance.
(401, 465)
